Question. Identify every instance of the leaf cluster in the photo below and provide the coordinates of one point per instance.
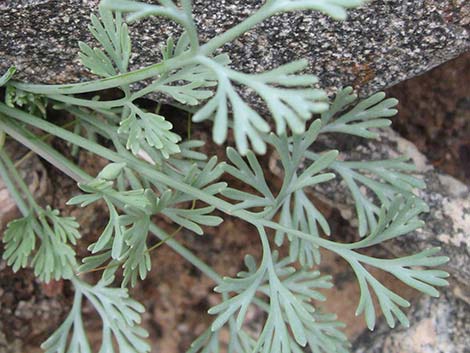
(120, 316)
(43, 242)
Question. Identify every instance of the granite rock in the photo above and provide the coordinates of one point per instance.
(381, 44)
(437, 326)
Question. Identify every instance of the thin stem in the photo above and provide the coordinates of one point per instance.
(29, 154)
(191, 30)
(42, 149)
(111, 82)
(187, 254)
(100, 127)
(13, 191)
(154, 86)
(259, 16)
(89, 103)
(54, 130)
(172, 235)
(2, 139)
(168, 10)
(19, 181)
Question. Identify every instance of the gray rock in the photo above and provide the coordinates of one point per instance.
(447, 225)
(381, 44)
(437, 326)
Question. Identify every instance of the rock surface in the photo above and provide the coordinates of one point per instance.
(381, 44)
(447, 225)
(437, 326)
(434, 113)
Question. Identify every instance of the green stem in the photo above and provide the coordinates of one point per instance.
(89, 103)
(54, 130)
(168, 10)
(13, 191)
(2, 139)
(259, 16)
(19, 181)
(106, 83)
(42, 149)
(188, 255)
(101, 128)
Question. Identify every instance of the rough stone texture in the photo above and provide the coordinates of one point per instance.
(437, 326)
(434, 112)
(381, 44)
(448, 222)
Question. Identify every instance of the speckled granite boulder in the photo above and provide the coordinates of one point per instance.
(381, 44)
(437, 326)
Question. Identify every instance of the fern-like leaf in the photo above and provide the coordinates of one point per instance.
(288, 95)
(20, 241)
(120, 315)
(391, 303)
(113, 35)
(140, 125)
(368, 114)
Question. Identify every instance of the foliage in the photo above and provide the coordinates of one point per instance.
(154, 172)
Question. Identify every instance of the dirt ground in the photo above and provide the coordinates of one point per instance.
(434, 113)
